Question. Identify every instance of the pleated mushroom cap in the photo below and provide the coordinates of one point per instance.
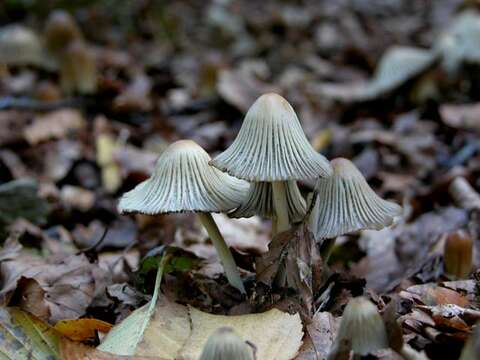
(271, 146)
(345, 203)
(362, 326)
(224, 344)
(183, 181)
(259, 201)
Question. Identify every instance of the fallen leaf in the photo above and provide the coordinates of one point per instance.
(165, 335)
(319, 337)
(276, 335)
(67, 283)
(54, 125)
(166, 327)
(432, 294)
(293, 260)
(81, 329)
(77, 198)
(25, 337)
(463, 116)
(70, 350)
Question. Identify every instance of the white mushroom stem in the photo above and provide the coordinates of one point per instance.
(281, 206)
(226, 257)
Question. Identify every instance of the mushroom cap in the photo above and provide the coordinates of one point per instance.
(271, 146)
(183, 181)
(224, 343)
(259, 201)
(345, 203)
(22, 46)
(78, 71)
(60, 30)
(363, 326)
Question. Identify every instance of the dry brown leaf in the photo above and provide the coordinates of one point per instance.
(54, 125)
(319, 337)
(293, 260)
(69, 284)
(432, 294)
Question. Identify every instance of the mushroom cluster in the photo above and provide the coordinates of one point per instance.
(257, 175)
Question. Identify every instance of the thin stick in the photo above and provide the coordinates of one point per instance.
(281, 205)
(226, 257)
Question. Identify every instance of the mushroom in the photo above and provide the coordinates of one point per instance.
(457, 254)
(361, 329)
(76, 59)
(184, 182)
(21, 46)
(259, 201)
(225, 344)
(272, 147)
(60, 31)
(345, 203)
(78, 71)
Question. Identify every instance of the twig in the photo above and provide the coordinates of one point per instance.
(25, 103)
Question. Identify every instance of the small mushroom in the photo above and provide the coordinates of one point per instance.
(184, 182)
(345, 203)
(457, 254)
(78, 70)
(60, 31)
(361, 329)
(225, 344)
(272, 147)
(259, 201)
(75, 58)
(22, 46)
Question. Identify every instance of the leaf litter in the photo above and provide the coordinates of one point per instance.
(390, 85)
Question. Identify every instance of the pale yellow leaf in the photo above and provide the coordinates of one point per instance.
(165, 335)
(276, 335)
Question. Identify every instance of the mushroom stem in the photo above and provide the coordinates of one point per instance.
(281, 206)
(231, 271)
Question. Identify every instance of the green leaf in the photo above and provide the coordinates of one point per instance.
(23, 336)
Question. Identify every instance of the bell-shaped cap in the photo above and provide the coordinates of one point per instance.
(345, 203)
(225, 344)
(271, 146)
(259, 201)
(183, 181)
(22, 46)
(361, 327)
(61, 30)
(78, 71)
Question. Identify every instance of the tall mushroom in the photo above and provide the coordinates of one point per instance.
(259, 201)
(272, 147)
(345, 203)
(184, 182)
